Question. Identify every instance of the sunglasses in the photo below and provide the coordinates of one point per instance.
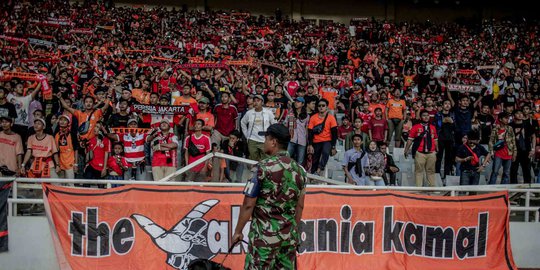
(321, 105)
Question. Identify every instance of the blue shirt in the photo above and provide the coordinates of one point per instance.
(351, 156)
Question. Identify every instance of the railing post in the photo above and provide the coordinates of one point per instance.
(527, 204)
(453, 193)
(14, 194)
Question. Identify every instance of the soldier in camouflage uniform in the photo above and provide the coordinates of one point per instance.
(274, 199)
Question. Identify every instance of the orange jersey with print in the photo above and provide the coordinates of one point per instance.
(395, 109)
(66, 151)
(93, 118)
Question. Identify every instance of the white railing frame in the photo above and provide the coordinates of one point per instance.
(30, 183)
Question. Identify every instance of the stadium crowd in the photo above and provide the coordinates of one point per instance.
(96, 91)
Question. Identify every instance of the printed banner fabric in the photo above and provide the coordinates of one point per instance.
(5, 187)
(465, 88)
(158, 227)
(160, 109)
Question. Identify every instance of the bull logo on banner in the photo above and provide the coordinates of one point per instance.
(184, 242)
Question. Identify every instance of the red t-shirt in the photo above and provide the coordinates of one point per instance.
(417, 130)
(378, 127)
(503, 152)
(113, 165)
(225, 119)
(99, 148)
(165, 158)
(203, 144)
(343, 131)
(366, 117)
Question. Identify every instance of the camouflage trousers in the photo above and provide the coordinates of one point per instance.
(264, 258)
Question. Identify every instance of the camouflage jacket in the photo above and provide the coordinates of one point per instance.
(279, 182)
(509, 137)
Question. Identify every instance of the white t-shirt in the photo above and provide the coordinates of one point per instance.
(22, 105)
(255, 122)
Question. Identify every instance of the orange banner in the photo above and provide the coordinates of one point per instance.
(158, 227)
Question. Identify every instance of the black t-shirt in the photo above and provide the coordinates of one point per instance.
(523, 132)
(85, 76)
(463, 152)
(486, 124)
(118, 120)
(62, 87)
(463, 121)
(447, 129)
(509, 100)
(8, 110)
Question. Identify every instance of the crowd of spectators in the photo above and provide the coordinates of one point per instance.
(74, 77)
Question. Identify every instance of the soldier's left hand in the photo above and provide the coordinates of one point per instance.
(237, 237)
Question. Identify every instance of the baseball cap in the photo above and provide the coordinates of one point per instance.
(165, 120)
(204, 100)
(64, 116)
(259, 97)
(165, 96)
(278, 131)
(300, 99)
(41, 120)
(132, 120)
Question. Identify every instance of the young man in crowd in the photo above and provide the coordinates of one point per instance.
(255, 121)
(525, 146)
(11, 147)
(378, 127)
(473, 158)
(196, 146)
(502, 145)
(322, 137)
(423, 138)
(445, 124)
(164, 145)
(355, 159)
(225, 114)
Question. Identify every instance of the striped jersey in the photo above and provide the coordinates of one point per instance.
(133, 146)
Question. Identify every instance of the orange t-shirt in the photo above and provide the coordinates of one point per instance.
(395, 109)
(10, 146)
(85, 116)
(373, 106)
(208, 119)
(326, 134)
(330, 95)
(43, 148)
(66, 152)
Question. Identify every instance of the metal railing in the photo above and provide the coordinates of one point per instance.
(524, 192)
